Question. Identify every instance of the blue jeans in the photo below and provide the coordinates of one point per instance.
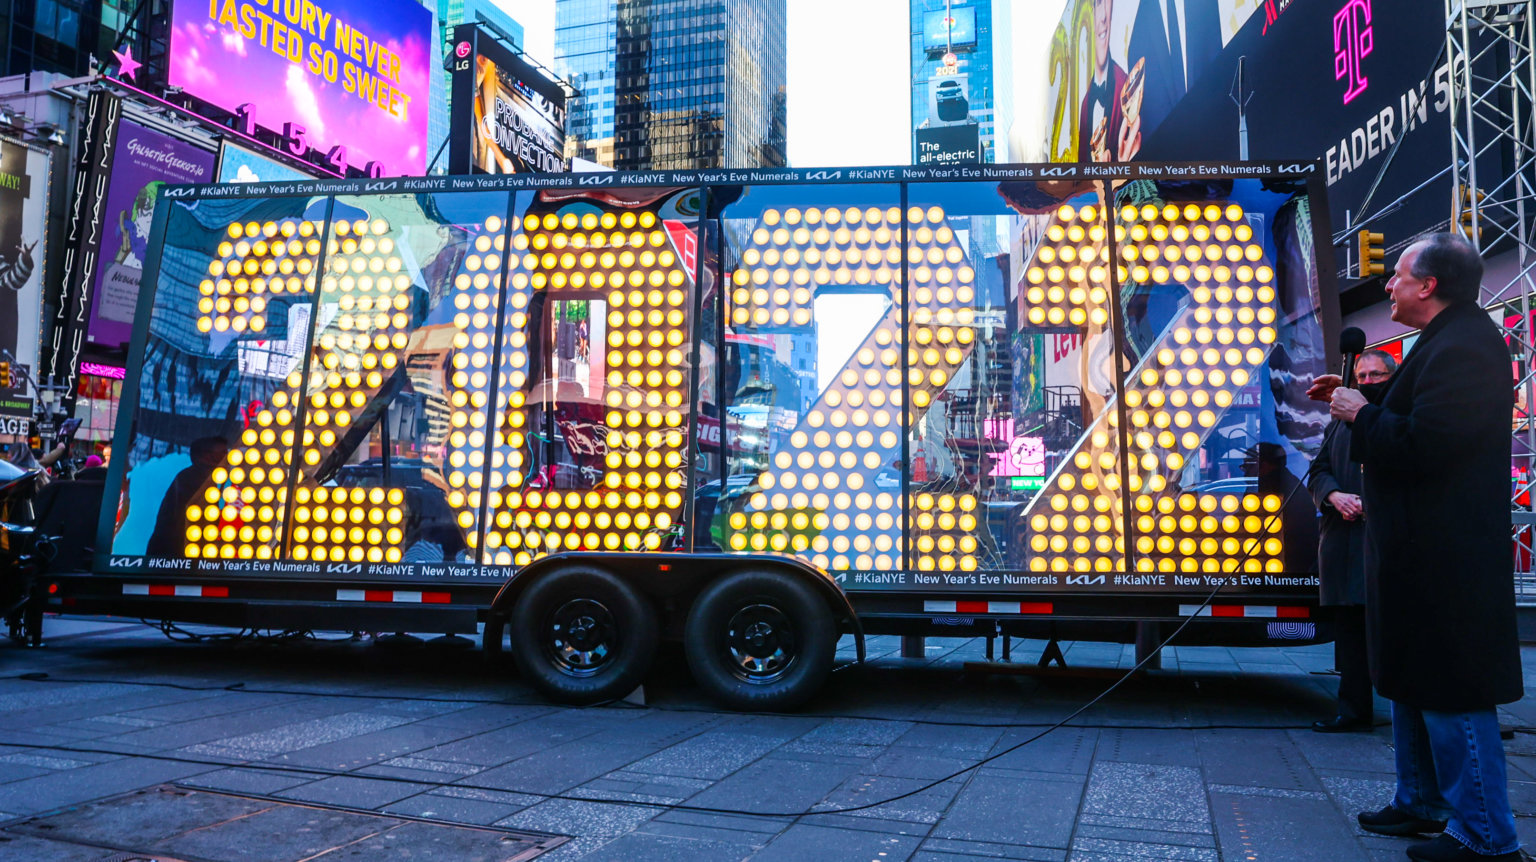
(1450, 766)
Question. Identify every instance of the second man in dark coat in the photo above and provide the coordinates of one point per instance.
(1334, 482)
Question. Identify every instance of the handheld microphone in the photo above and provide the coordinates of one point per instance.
(1351, 345)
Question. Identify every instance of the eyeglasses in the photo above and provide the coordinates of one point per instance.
(1373, 376)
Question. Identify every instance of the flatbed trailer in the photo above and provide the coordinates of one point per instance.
(747, 410)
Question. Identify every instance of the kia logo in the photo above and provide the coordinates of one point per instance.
(1085, 580)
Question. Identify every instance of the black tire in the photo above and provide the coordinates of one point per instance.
(760, 640)
(616, 635)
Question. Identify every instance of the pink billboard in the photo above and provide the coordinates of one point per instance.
(335, 73)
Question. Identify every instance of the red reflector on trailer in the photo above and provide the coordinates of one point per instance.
(1292, 613)
(378, 595)
(1226, 610)
(1036, 608)
(162, 589)
(970, 607)
(215, 592)
(435, 598)
(53, 589)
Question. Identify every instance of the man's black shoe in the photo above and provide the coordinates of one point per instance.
(1448, 849)
(1340, 724)
(1397, 822)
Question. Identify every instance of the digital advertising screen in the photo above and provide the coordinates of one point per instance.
(947, 145)
(143, 162)
(23, 217)
(239, 165)
(953, 29)
(353, 74)
(507, 117)
(1354, 83)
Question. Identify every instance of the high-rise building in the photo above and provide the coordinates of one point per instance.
(953, 119)
(674, 84)
(59, 35)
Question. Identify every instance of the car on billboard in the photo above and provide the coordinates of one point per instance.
(949, 98)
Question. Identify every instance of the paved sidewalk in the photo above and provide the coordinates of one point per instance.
(389, 753)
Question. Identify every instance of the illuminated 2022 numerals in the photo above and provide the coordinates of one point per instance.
(820, 498)
(630, 262)
(1174, 398)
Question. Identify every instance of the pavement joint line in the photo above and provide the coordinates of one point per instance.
(370, 812)
(241, 688)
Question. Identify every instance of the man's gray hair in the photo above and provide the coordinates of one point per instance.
(1454, 263)
(1388, 361)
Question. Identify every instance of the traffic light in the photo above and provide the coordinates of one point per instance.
(1471, 228)
(1368, 261)
(5, 374)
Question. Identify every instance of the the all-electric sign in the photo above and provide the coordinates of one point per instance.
(347, 77)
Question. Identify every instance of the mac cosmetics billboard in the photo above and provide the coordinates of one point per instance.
(507, 117)
(349, 78)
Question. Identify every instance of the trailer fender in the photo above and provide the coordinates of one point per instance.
(658, 572)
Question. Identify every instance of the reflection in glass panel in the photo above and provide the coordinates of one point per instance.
(393, 409)
(1221, 321)
(815, 385)
(209, 461)
(603, 425)
(1019, 446)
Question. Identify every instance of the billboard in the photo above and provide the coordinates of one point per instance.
(953, 29)
(948, 145)
(507, 117)
(23, 217)
(1117, 68)
(239, 165)
(1374, 88)
(143, 161)
(349, 78)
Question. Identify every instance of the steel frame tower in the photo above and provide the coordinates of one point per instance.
(1491, 49)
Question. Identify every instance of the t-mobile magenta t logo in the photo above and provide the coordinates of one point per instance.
(1352, 43)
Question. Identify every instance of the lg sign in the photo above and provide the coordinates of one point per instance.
(462, 50)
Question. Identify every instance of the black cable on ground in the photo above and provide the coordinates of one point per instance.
(1252, 546)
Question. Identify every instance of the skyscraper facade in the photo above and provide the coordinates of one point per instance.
(674, 84)
(952, 79)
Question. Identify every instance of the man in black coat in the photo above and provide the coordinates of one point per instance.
(1440, 601)
(1334, 482)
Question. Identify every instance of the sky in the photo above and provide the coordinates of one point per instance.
(850, 74)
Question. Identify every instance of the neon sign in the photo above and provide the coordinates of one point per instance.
(1352, 43)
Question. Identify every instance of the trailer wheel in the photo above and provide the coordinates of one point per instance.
(581, 635)
(760, 640)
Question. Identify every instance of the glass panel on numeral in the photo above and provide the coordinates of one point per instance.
(1016, 474)
(591, 429)
(210, 459)
(1220, 282)
(395, 406)
(813, 376)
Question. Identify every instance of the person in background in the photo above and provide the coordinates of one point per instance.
(1334, 481)
(169, 536)
(1439, 575)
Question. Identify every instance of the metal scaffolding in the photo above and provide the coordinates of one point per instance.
(1491, 48)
